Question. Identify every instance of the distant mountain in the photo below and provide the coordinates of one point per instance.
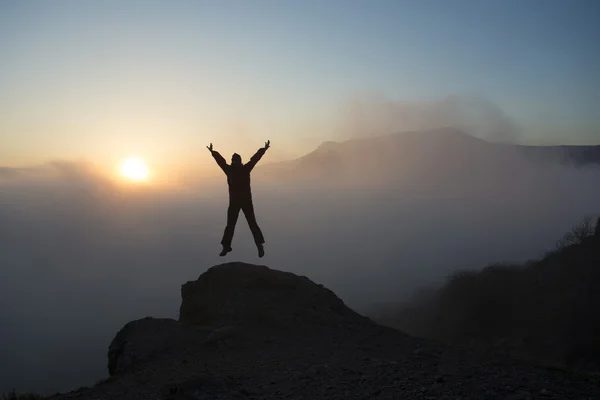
(570, 155)
(444, 162)
(443, 146)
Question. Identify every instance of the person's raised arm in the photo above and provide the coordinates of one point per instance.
(256, 157)
(218, 158)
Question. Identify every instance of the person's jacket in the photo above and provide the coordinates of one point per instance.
(238, 175)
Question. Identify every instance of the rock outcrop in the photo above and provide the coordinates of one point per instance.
(231, 302)
(138, 342)
(245, 294)
(247, 331)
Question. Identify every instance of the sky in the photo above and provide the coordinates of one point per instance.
(103, 80)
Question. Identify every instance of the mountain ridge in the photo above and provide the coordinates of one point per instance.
(422, 151)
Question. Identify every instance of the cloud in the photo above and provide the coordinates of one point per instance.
(7, 172)
(374, 115)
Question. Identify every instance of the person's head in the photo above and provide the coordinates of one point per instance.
(236, 159)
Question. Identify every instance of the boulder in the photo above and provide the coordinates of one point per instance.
(244, 294)
(140, 341)
(223, 306)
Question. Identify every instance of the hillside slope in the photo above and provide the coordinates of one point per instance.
(548, 309)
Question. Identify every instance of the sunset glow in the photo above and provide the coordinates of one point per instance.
(134, 169)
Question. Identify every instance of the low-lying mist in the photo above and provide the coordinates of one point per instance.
(374, 220)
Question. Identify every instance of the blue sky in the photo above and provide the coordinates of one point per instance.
(100, 79)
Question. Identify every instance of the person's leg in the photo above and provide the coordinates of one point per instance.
(259, 239)
(232, 216)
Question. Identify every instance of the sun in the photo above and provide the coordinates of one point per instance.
(134, 169)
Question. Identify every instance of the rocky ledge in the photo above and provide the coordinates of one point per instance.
(250, 332)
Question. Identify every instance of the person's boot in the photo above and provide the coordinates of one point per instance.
(226, 249)
(261, 250)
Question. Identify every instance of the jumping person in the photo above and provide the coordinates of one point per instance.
(240, 196)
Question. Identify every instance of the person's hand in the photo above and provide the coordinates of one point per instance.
(267, 144)
(210, 148)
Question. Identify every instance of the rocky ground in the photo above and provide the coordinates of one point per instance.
(250, 332)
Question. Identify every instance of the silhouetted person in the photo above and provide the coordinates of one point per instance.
(240, 196)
